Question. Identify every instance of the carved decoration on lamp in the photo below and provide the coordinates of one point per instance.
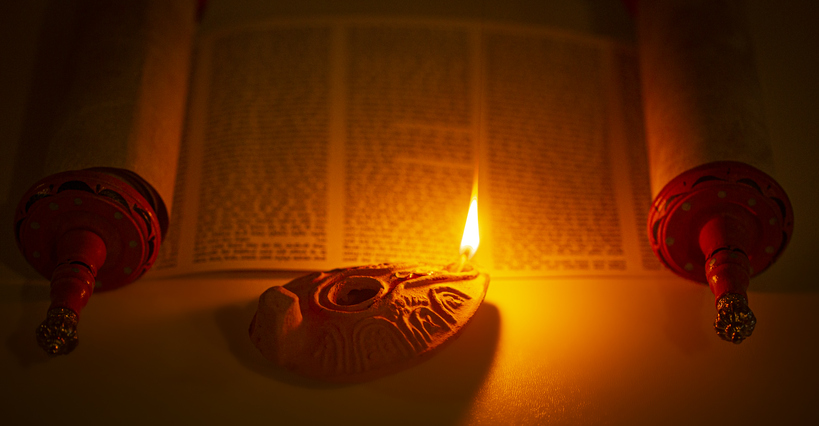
(356, 324)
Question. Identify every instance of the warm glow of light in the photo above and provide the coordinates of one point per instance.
(471, 238)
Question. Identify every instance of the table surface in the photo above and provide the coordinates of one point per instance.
(566, 351)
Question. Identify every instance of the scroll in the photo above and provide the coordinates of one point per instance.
(111, 124)
(718, 215)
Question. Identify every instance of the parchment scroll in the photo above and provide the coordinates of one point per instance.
(702, 97)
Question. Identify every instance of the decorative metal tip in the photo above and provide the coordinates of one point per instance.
(57, 335)
(735, 321)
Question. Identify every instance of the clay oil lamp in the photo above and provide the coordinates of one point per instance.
(360, 323)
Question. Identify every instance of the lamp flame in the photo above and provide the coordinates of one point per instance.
(471, 238)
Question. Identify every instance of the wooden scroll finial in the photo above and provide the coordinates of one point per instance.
(721, 224)
(88, 230)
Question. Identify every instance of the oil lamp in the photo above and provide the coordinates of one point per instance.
(360, 323)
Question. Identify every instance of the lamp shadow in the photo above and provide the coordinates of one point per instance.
(456, 370)
(448, 382)
(234, 322)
